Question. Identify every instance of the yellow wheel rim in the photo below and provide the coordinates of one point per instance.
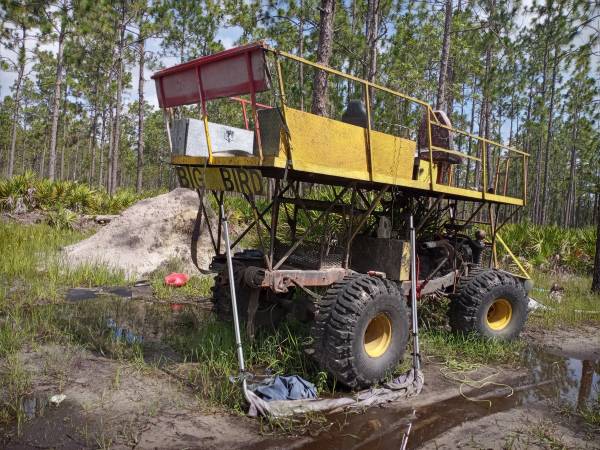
(378, 336)
(499, 314)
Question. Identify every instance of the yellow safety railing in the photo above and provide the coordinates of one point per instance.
(429, 114)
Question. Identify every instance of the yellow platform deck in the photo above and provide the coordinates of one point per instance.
(329, 151)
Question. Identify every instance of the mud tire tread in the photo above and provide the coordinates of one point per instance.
(473, 292)
(336, 318)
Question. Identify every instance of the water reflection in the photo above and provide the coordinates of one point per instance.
(555, 378)
(115, 325)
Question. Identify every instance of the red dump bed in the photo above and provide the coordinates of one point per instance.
(237, 71)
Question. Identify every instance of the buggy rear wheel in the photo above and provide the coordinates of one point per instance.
(270, 312)
(361, 330)
(490, 303)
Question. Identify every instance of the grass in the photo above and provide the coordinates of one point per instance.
(16, 382)
(62, 201)
(211, 348)
(587, 411)
(33, 280)
(551, 248)
(198, 286)
(466, 351)
(576, 306)
(544, 434)
(32, 271)
(591, 413)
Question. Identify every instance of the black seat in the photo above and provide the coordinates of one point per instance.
(355, 114)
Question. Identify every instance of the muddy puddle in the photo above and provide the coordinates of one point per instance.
(551, 380)
(114, 317)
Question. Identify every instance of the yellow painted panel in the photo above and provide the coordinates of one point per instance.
(325, 146)
(393, 157)
(445, 189)
(423, 171)
(251, 161)
(335, 148)
(233, 179)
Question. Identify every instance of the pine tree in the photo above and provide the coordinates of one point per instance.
(324, 51)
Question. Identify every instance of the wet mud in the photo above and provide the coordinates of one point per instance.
(553, 380)
(547, 378)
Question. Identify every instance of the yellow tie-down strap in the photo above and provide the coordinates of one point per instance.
(232, 179)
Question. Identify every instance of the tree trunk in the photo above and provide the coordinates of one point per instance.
(442, 88)
(301, 54)
(64, 148)
(92, 146)
(570, 206)
(101, 148)
(110, 148)
(487, 114)
(65, 123)
(371, 34)
(351, 60)
(548, 139)
(140, 144)
(596, 276)
(469, 145)
(324, 50)
(18, 83)
(118, 106)
(538, 157)
(56, 102)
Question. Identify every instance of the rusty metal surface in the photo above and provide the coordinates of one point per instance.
(437, 284)
(280, 280)
(384, 255)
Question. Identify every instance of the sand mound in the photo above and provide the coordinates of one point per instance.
(146, 235)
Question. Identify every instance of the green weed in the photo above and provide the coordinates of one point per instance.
(16, 382)
(591, 413)
(197, 286)
(574, 305)
(459, 351)
(551, 248)
(61, 218)
(32, 270)
(212, 348)
(58, 196)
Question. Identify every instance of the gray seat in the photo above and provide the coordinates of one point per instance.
(355, 114)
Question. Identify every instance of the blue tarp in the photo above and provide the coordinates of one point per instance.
(287, 388)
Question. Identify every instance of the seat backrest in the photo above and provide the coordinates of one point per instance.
(355, 114)
(440, 137)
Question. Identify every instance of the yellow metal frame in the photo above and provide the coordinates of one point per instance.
(433, 185)
(370, 136)
(514, 258)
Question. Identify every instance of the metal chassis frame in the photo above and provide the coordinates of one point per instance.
(279, 276)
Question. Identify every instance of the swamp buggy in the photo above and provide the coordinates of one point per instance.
(331, 199)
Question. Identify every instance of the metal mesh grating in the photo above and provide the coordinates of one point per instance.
(310, 255)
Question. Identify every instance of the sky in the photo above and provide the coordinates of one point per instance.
(227, 36)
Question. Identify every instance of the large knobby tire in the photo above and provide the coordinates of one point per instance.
(490, 303)
(270, 310)
(361, 330)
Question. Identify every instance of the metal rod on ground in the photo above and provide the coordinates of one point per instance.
(236, 322)
(413, 295)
